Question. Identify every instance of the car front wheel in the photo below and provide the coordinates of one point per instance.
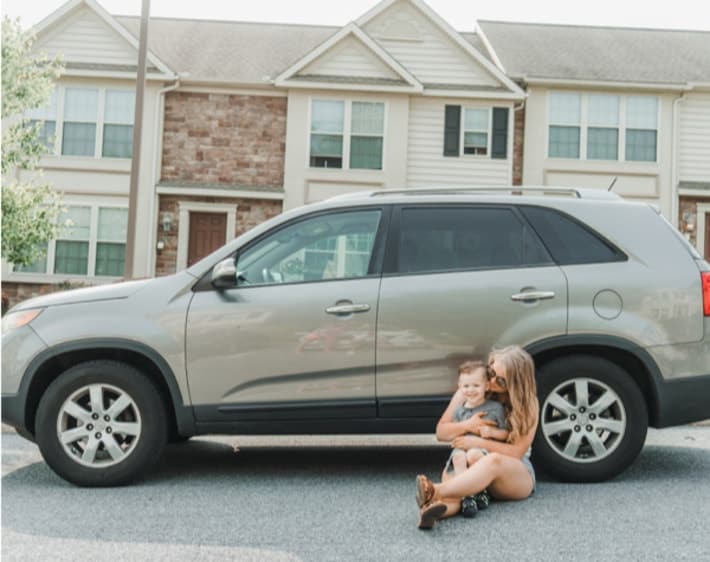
(593, 419)
(101, 423)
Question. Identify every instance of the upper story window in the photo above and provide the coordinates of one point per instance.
(476, 123)
(481, 131)
(93, 243)
(602, 127)
(93, 122)
(347, 134)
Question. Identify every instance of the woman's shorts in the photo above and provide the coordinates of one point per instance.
(529, 467)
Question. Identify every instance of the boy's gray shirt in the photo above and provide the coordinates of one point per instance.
(493, 409)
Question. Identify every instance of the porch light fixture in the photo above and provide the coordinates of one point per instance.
(167, 222)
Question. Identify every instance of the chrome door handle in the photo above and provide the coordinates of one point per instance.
(533, 296)
(347, 308)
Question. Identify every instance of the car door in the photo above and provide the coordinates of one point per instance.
(295, 337)
(458, 281)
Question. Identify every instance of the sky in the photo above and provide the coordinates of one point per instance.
(460, 14)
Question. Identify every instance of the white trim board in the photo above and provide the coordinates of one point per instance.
(207, 192)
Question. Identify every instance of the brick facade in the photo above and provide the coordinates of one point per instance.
(221, 139)
(250, 213)
(518, 137)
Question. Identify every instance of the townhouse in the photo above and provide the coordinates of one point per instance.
(244, 120)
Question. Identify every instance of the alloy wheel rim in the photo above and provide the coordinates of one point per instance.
(99, 425)
(583, 420)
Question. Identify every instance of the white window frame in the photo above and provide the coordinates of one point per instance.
(701, 210)
(90, 277)
(347, 133)
(489, 132)
(584, 126)
(100, 120)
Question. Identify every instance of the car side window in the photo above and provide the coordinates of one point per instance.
(327, 246)
(460, 238)
(569, 241)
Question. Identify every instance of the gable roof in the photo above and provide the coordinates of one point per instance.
(72, 7)
(452, 34)
(406, 80)
(530, 51)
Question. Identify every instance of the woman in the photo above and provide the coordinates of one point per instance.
(506, 471)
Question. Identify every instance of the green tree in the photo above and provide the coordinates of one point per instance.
(29, 208)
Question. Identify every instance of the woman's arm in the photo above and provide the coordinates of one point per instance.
(517, 449)
(447, 429)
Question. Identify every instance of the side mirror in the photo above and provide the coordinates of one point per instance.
(224, 274)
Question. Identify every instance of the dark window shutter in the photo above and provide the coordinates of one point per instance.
(500, 133)
(452, 130)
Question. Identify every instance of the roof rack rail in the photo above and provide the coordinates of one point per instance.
(580, 193)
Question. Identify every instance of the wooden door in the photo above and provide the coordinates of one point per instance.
(207, 233)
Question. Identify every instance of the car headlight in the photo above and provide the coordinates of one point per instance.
(18, 319)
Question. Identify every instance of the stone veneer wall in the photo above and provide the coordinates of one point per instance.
(224, 139)
(250, 213)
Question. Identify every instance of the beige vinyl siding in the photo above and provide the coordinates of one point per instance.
(426, 163)
(85, 37)
(349, 58)
(424, 49)
(694, 138)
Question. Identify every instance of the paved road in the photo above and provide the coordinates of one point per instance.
(322, 498)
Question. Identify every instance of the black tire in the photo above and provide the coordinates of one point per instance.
(618, 432)
(145, 415)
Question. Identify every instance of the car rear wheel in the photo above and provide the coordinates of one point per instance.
(101, 423)
(593, 419)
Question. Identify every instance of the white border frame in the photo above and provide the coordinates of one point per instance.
(185, 208)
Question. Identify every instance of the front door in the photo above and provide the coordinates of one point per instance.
(295, 339)
(461, 280)
(207, 233)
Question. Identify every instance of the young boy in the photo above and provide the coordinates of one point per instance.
(473, 383)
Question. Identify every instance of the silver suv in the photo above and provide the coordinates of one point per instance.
(351, 316)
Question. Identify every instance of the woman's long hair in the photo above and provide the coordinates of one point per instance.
(522, 408)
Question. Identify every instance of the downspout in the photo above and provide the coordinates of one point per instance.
(517, 108)
(157, 161)
(675, 176)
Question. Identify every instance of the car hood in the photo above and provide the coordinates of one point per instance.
(100, 293)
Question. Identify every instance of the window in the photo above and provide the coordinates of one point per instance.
(569, 241)
(47, 115)
(327, 134)
(111, 242)
(476, 123)
(91, 242)
(333, 246)
(72, 246)
(81, 108)
(340, 128)
(603, 130)
(565, 117)
(641, 128)
(603, 127)
(480, 131)
(88, 121)
(449, 239)
(118, 123)
(368, 121)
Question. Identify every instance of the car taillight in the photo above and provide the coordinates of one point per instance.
(705, 278)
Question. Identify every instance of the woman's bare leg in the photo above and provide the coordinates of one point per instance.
(505, 477)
